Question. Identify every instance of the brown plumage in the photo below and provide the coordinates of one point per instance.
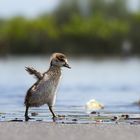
(34, 72)
(43, 91)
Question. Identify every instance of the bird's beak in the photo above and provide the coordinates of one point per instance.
(67, 65)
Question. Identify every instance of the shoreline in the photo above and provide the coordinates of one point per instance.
(51, 131)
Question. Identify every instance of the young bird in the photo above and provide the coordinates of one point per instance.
(43, 91)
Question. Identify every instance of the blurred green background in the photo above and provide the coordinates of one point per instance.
(76, 27)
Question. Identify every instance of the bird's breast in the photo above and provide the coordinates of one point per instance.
(51, 83)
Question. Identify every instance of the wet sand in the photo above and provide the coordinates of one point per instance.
(53, 131)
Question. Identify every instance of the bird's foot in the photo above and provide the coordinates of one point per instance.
(54, 118)
(58, 117)
(27, 118)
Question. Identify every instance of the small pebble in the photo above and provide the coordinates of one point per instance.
(125, 116)
(34, 114)
(114, 118)
(39, 120)
(93, 112)
(74, 120)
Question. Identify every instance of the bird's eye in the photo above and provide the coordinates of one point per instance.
(61, 59)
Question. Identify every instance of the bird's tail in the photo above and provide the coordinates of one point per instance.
(34, 72)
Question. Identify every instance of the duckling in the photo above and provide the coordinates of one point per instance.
(43, 91)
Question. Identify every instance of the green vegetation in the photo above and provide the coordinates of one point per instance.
(100, 30)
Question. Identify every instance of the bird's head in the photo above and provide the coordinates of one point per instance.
(60, 60)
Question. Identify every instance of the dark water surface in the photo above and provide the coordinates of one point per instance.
(114, 82)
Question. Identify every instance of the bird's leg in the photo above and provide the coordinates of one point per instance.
(26, 114)
(54, 115)
(51, 110)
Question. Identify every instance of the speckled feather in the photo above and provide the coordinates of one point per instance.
(44, 90)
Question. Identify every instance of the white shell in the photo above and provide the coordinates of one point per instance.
(94, 105)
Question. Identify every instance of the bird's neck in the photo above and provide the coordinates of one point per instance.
(55, 67)
(56, 70)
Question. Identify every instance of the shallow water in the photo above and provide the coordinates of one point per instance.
(114, 82)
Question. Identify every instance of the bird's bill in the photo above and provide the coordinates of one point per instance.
(67, 65)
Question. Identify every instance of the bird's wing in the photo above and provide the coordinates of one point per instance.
(34, 72)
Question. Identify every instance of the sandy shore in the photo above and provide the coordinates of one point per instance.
(52, 131)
